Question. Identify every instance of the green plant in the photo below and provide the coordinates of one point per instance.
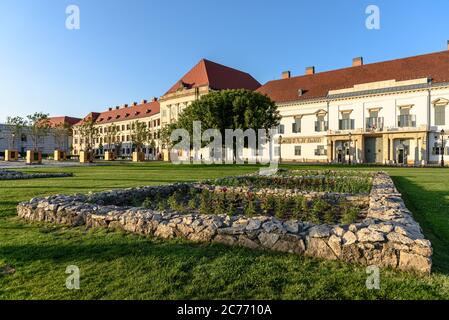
(205, 202)
(349, 213)
(318, 208)
(300, 208)
(280, 207)
(250, 205)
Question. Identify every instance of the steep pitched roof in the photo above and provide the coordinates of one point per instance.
(435, 66)
(133, 112)
(55, 121)
(216, 76)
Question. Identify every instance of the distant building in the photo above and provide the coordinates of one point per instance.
(47, 145)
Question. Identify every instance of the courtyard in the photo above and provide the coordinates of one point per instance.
(120, 265)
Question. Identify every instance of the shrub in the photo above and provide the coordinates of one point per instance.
(281, 207)
(300, 208)
(349, 213)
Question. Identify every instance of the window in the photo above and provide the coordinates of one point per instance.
(281, 129)
(320, 151)
(23, 138)
(297, 150)
(296, 126)
(440, 115)
(373, 114)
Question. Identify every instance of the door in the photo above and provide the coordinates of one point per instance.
(373, 150)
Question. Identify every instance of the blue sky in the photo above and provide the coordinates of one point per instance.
(130, 50)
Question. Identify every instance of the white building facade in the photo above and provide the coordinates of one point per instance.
(343, 116)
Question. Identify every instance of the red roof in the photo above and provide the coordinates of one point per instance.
(434, 66)
(55, 121)
(216, 76)
(138, 111)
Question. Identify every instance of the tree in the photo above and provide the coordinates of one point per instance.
(16, 125)
(111, 132)
(227, 109)
(39, 126)
(88, 134)
(61, 132)
(139, 134)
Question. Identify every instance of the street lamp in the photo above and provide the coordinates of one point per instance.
(442, 147)
(349, 148)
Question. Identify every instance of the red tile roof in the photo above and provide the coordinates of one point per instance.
(434, 66)
(55, 121)
(216, 76)
(138, 111)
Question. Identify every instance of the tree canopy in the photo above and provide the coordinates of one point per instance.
(228, 109)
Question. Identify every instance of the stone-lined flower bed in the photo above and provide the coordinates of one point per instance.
(387, 237)
(16, 175)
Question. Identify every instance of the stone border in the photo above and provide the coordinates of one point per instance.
(16, 175)
(388, 237)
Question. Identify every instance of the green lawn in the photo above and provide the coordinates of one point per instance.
(116, 265)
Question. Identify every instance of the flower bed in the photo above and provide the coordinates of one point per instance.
(387, 236)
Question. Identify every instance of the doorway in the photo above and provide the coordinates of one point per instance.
(374, 150)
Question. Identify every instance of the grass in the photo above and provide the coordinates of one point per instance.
(116, 265)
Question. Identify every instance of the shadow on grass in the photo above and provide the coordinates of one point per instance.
(431, 210)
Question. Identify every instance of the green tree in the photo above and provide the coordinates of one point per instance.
(61, 133)
(139, 134)
(16, 126)
(88, 134)
(39, 127)
(228, 109)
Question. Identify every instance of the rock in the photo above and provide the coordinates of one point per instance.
(381, 227)
(253, 224)
(334, 243)
(268, 239)
(320, 231)
(352, 253)
(399, 238)
(271, 226)
(290, 243)
(367, 235)
(248, 243)
(349, 238)
(292, 226)
(225, 239)
(410, 261)
(317, 247)
(164, 231)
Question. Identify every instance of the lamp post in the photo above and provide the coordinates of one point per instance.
(349, 148)
(442, 147)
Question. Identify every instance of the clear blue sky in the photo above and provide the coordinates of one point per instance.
(130, 50)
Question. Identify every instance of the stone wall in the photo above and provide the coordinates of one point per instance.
(16, 175)
(388, 237)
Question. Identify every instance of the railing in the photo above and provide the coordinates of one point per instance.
(346, 124)
(321, 126)
(374, 123)
(408, 120)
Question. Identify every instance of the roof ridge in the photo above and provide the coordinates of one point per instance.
(357, 67)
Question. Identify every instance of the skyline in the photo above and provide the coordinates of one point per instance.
(128, 52)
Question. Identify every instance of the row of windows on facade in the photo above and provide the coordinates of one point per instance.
(152, 135)
(319, 151)
(118, 128)
(405, 119)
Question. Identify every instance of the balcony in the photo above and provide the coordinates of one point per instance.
(321, 126)
(408, 120)
(346, 124)
(373, 124)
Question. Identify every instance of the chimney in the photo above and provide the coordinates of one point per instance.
(286, 75)
(154, 99)
(134, 103)
(117, 107)
(357, 62)
(310, 70)
(125, 105)
(110, 108)
(143, 101)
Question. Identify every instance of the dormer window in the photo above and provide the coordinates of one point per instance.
(300, 92)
